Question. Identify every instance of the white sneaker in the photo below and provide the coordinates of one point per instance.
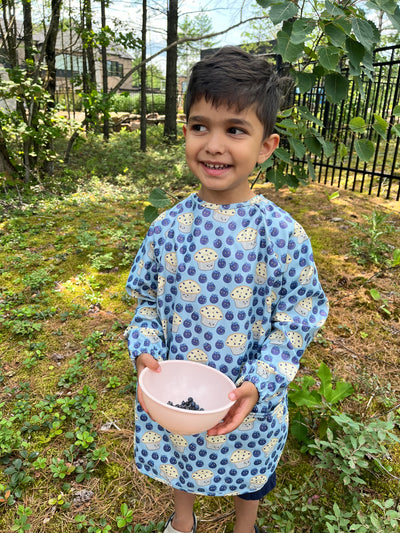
(170, 529)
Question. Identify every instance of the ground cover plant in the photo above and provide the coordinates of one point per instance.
(67, 384)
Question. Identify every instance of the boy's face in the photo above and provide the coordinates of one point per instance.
(222, 147)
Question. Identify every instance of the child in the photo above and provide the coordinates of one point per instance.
(227, 278)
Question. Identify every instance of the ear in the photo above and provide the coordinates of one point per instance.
(184, 129)
(267, 148)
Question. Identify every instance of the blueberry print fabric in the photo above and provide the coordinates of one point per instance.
(234, 287)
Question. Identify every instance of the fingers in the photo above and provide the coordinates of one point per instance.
(245, 398)
(145, 360)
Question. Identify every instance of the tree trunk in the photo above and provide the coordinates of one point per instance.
(28, 34)
(170, 129)
(8, 30)
(50, 58)
(6, 166)
(143, 81)
(89, 43)
(106, 122)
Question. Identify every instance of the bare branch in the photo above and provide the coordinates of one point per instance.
(178, 42)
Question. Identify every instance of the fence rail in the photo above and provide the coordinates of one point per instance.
(381, 175)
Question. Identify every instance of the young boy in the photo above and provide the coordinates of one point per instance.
(227, 278)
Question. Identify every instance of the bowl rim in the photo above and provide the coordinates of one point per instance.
(228, 405)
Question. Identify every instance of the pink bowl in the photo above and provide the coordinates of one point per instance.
(176, 382)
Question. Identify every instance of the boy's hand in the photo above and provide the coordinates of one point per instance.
(246, 397)
(145, 360)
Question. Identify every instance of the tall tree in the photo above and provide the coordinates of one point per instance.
(143, 81)
(106, 122)
(170, 128)
(189, 52)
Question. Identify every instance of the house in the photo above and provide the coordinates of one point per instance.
(70, 63)
(70, 60)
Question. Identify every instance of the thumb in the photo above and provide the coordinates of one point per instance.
(243, 390)
(153, 364)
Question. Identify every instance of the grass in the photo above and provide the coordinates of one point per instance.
(66, 382)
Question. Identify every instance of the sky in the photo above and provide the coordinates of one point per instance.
(223, 13)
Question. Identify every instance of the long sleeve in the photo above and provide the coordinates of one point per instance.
(145, 333)
(298, 307)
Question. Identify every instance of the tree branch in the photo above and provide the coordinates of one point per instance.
(177, 43)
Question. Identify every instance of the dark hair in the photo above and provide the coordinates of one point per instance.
(237, 79)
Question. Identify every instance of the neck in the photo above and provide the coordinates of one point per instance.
(225, 197)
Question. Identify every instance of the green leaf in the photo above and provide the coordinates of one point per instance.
(298, 430)
(305, 81)
(301, 30)
(158, 198)
(336, 34)
(313, 145)
(388, 6)
(355, 52)
(150, 214)
(333, 9)
(325, 376)
(283, 154)
(284, 47)
(336, 87)
(266, 3)
(342, 152)
(375, 294)
(365, 149)
(396, 129)
(334, 195)
(298, 147)
(396, 110)
(283, 11)
(380, 125)
(395, 18)
(341, 391)
(311, 169)
(365, 32)
(305, 113)
(276, 177)
(357, 124)
(396, 257)
(328, 147)
(329, 57)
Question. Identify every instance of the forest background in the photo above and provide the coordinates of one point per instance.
(74, 200)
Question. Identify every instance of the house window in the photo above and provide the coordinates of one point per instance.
(69, 65)
(115, 69)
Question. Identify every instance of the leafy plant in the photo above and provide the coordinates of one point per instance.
(377, 297)
(310, 398)
(371, 247)
(21, 524)
(10, 437)
(126, 518)
(356, 448)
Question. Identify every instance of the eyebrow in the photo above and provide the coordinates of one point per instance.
(234, 121)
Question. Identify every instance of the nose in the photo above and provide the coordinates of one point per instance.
(215, 143)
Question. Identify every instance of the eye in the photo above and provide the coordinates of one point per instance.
(236, 131)
(198, 128)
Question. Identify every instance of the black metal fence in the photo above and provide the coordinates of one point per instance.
(381, 175)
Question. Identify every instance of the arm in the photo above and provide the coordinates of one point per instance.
(297, 313)
(145, 333)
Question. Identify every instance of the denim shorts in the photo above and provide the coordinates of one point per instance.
(260, 493)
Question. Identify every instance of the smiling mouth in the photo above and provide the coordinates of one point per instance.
(215, 166)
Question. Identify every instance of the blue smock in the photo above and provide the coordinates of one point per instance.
(234, 287)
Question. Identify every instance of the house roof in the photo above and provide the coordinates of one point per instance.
(70, 42)
(67, 42)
